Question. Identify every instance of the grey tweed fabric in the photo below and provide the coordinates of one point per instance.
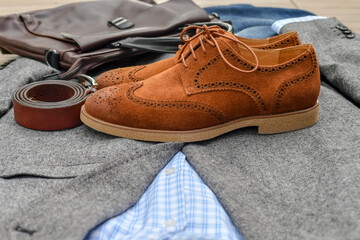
(297, 185)
(15, 75)
(338, 56)
(69, 210)
(79, 177)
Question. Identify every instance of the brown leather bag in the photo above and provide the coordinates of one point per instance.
(77, 37)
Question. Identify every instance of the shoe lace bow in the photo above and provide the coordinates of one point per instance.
(208, 34)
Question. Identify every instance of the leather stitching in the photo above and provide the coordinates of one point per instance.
(236, 90)
(295, 40)
(235, 86)
(183, 105)
(132, 73)
(112, 76)
(278, 44)
(280, 93)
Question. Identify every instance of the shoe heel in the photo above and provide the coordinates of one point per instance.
(289, 122)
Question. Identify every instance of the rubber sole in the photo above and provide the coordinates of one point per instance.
(269, 124)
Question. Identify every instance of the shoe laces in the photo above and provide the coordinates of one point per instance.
(207, 34)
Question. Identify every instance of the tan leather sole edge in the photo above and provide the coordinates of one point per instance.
(269, 124)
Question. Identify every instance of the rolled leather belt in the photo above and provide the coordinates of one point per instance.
(49, 105)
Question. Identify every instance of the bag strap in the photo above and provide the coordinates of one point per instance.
(163, 44)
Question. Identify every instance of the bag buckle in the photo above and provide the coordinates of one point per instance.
(120, 23)
(52, 58)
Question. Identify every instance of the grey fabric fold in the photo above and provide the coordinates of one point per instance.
(297, 185)
(57, 154)
(338, 56)
(60, 184)
(20, 192)
(16, 74)
(70, 210)
(54, 154)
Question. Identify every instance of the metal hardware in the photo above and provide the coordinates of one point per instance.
(120, 23)
(86, 78)
(226, 26)
(52, 58)
(163, 44)
(214, 15)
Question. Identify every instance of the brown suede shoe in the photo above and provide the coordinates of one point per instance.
(219, 85)
(138, 73)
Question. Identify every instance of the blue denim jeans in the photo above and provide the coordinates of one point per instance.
(254, 22)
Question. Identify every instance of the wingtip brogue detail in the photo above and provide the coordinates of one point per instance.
(176, 105)
(282, 41)
(131, 74)
(110, 78)
(214, 88)
(310, 79)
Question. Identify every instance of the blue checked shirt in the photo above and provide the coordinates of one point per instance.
(177, 205)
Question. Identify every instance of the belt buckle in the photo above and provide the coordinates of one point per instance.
(86, 78)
